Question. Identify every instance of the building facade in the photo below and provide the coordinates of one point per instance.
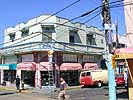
(73, 45)
(129, 22)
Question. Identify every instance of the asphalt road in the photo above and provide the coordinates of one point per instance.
(96, 94)
(73, 94)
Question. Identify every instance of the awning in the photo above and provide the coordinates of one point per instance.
(90, 66)
(70, 66)
(26, 66)
(45, 66)
(8, 66)
(124, 50)
(124, 53)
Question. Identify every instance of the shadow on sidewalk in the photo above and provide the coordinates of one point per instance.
(123, 95)
(1, 94)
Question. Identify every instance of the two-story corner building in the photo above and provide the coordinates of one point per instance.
(75, 47)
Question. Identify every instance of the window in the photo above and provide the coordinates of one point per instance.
(47, 32)
(47, 37)
(72, 37)
(12, 36)
(83, 75)
(101, 40)
(25, 32)
(90, 40)
(48, 29)
(88, 74)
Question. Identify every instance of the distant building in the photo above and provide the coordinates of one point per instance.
(122, 41)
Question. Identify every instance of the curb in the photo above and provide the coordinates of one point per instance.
(73, 87)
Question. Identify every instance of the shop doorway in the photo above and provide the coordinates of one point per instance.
(71, 77)
(45, 78)
(10, 75)
(28, 77)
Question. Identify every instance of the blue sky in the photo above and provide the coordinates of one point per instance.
(16, 11)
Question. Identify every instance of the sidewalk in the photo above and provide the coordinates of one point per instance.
(46, 92)
(30, 92)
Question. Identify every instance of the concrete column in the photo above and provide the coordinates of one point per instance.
(2, 76)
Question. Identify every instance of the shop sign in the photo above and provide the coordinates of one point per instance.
(4, 67)
(69, 57)
(28, 58)
(88, 58)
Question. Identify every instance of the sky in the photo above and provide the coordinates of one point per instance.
(13, 12)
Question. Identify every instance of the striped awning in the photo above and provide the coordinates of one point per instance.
(70, 66)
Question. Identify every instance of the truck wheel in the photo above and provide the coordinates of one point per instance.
(99, 84)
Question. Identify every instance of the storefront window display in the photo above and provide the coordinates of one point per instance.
(9, 75)
(28, 77)
(45, 78)
(71, 77)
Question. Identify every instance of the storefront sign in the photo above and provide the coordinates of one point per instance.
(70, 58)
(88, 58)
(8, 66)
(27, 58)
(4, 67)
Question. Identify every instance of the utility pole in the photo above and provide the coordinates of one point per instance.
(117, 40)
(108, 37)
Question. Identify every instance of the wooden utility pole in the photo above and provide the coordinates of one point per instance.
(108, 37)
(117, 40)
(107, 21)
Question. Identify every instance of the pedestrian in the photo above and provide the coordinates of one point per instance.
(62, 92)
(22, 84)
(18, 83)
(126, 79)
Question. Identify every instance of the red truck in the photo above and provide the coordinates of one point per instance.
(93, 77)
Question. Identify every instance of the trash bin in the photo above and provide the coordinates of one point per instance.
(4, 83)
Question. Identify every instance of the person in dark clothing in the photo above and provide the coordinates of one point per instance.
(18, 83)
(103, 64)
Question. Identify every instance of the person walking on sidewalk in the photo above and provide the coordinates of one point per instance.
(126, 79)
(18, 83)
(62, 92)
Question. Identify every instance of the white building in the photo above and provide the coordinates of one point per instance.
(74, 45)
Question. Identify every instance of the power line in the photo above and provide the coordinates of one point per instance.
(50, 15)
(61, 11)
(69, 48)
(85, 14)
(79, 16)
(92, 18)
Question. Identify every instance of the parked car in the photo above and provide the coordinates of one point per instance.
(119, 78)
(93, 77)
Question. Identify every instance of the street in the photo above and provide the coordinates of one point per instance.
(96, 94)
(73, 94)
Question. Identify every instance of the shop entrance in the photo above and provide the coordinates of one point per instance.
(71, 77)
(45, 78)
(28, 77)
(10, 75)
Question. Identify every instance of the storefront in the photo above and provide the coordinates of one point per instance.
(70, 72)
(26, 72)
(7, 73)
(43, 73)
(126, 55)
